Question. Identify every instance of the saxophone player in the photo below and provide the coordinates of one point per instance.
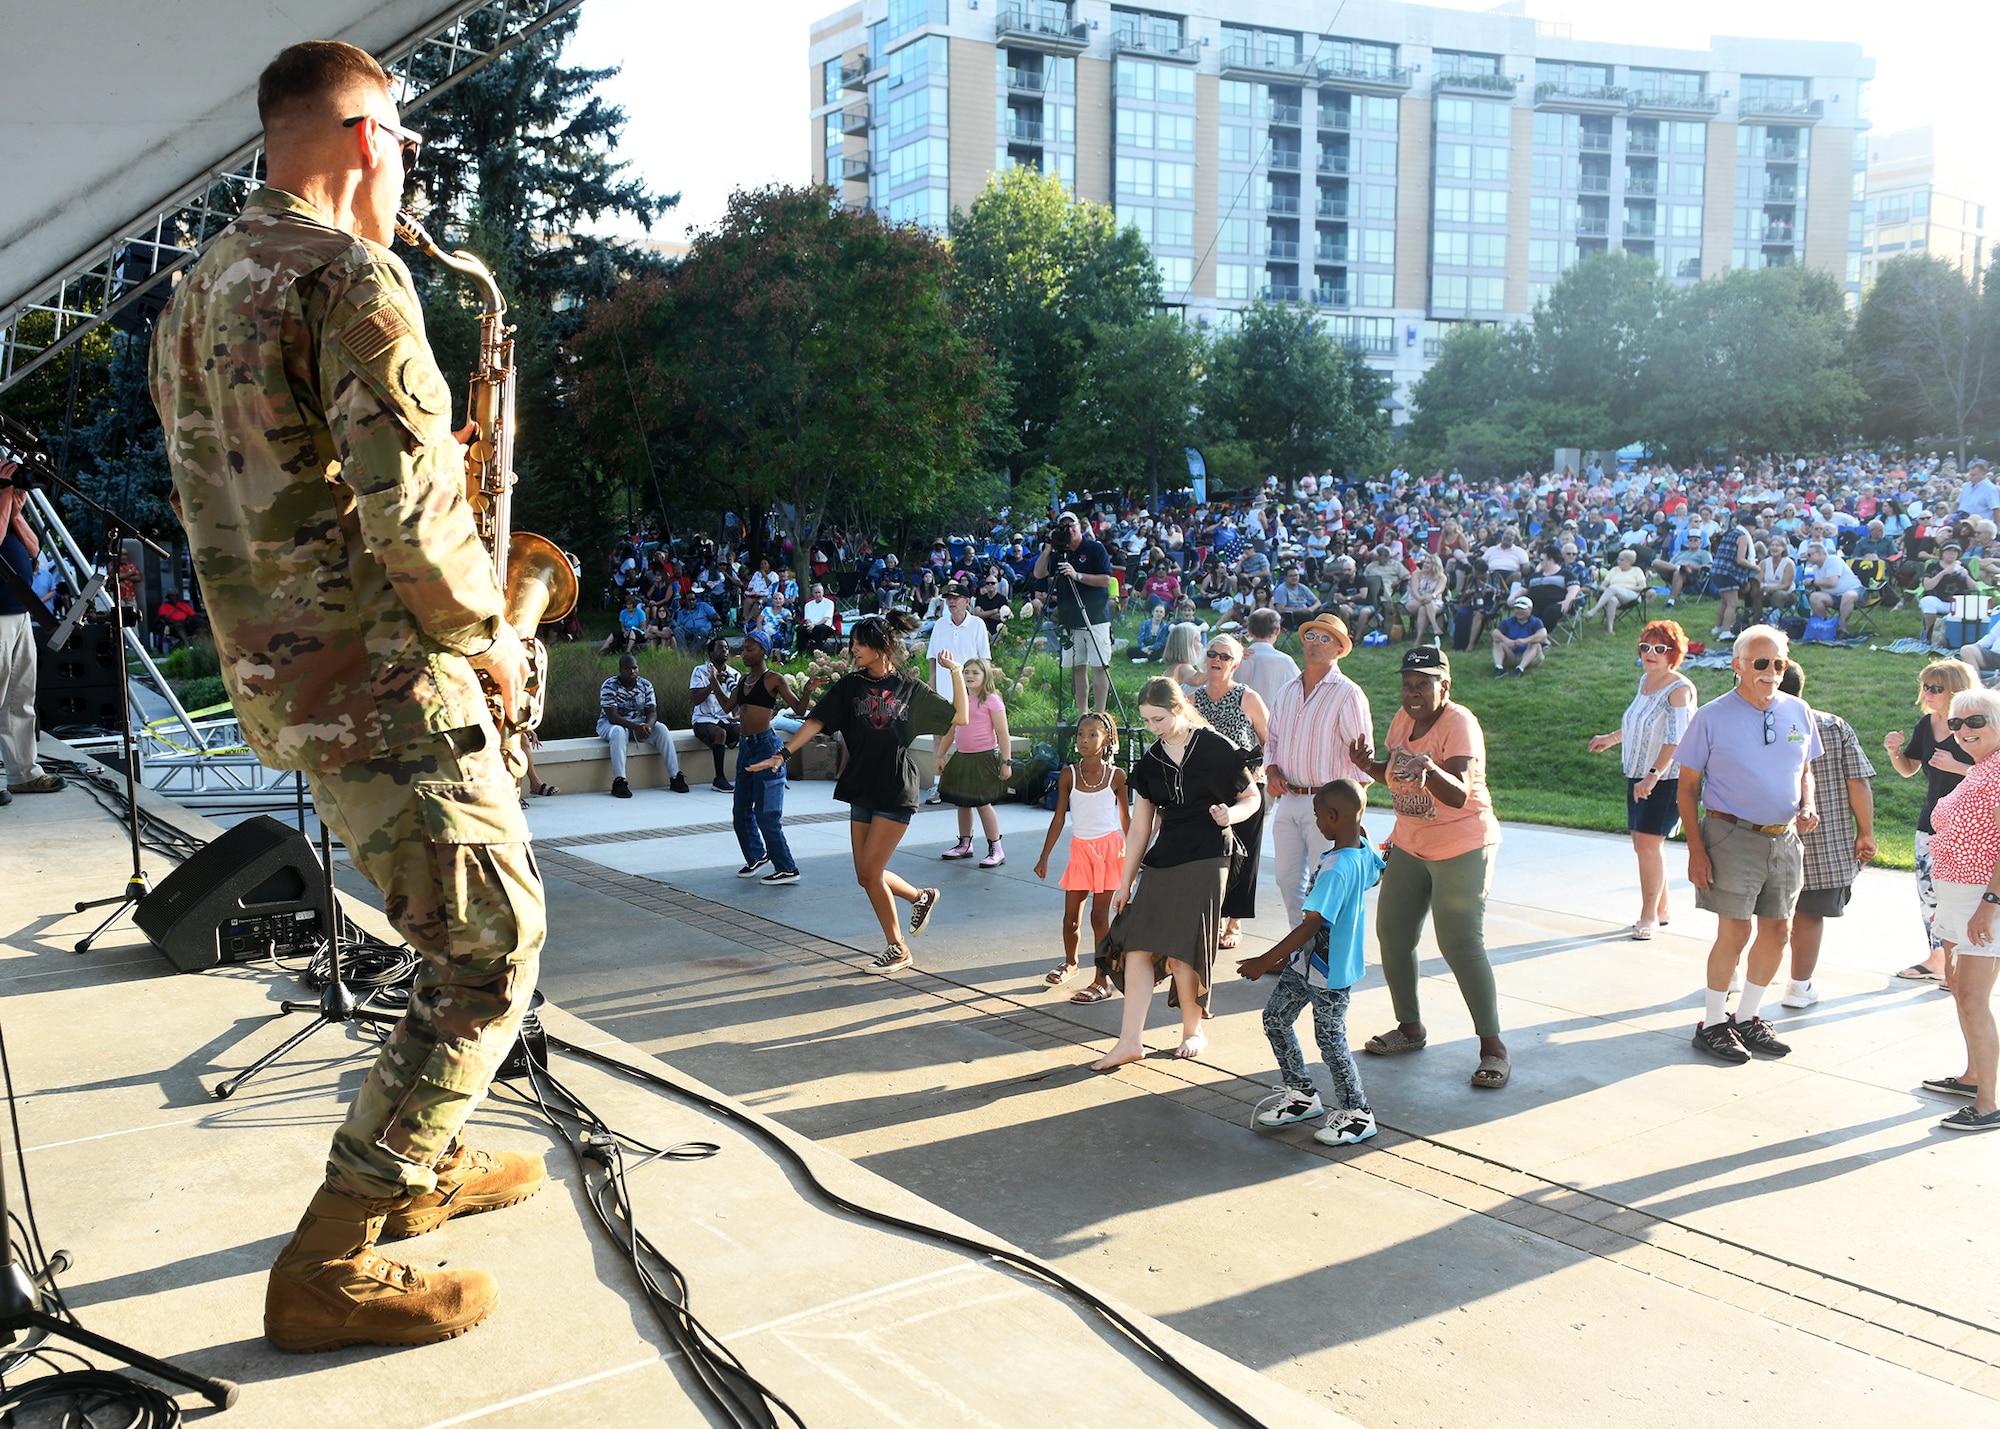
(354, 607)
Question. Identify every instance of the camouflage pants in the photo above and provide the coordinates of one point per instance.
(437, 827)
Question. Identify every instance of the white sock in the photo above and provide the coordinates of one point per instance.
(1750, 1001)
(1716, 1013)
(1799, 986)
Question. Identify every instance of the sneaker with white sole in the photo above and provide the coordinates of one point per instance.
(1344, 1128)
(752, 868)
(1800, 994)
(1297, 1106)
(779, 875)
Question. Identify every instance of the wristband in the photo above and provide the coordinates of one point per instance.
(1989, 896)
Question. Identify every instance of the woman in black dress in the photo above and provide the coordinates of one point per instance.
(877, 709)
(1930, 750)
(1235, 712)
(1188, 791)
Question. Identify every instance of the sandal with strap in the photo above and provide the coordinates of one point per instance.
(1056, 977)
(1394, 1043)
(546, 790)
(1492, 1073)
(1094, 993)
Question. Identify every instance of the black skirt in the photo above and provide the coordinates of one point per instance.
(1239, 900)
(1174, 913)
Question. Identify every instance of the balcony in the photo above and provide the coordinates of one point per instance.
(1642, 185)
(854, 170)
(1779, 151)
(1027, 81)
(1334, 163)
(1246, 62)
(1636, 228)
(1285, 114)
(1332, 208)
(1048, 28)
(1778, 233)
(1364, 81)
(1593, 183)
(1334, 120)
(1284, 250)
(1281, 203)
(1785, 111)
(1287, 159)
(1489, 85)
(1331, 253)
(1371, 346)
(1674, 106)
(854, 75)
(1155, 47)
(1279, 292)
(1781, 193)
(1327, 296)
(1638, 143)
(1594, 143)
(1592, 227)
(1025, 131)
(1608, 99)
(854, 121)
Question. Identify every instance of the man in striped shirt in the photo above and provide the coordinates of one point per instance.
(1315, 720)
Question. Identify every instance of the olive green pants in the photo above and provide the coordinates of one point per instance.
(436, 826)
(1453, 892)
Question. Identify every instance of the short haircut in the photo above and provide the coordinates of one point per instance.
(1768, 632)
(1667, 632)
(1263, 624)
(313, 70)
(1341, 791)
(1977, 700)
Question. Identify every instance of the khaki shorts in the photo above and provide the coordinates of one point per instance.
(1090, 647)
(1756, 875)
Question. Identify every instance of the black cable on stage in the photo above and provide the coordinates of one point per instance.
(155, 833)
(599, 1153)
(1018, 1259)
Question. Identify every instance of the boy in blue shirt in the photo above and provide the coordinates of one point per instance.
(1322, 961)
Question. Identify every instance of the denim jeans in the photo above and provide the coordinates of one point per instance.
(760, 804)
(1329, 1005)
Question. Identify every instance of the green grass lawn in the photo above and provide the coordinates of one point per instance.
(1538, 767)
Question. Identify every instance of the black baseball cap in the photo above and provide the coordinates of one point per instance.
(1426, 660)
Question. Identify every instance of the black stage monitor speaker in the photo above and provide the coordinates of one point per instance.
(78, 684)
(257, 890)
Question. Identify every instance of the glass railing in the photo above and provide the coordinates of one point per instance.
(1781, 193)
(1283, 159)
(1593, 227)
(1481, 83)
(1049, 22)
(1609, 95)
(1334, 163)
(1266, 62)
(1029, 79)
(1781, 153)
(1330, 253)
(1675, 103)
(1285, 250)
(1332, 208)
(1780, 108)
(1279, 292)
(1635, 143)
(1160, 47)
(1641, 184)
(1641, 228)
(1593, 183)
(1364, 76)
(1282, 114)
(854, 121)
(1025, 131)
(1596, 143)
(1282, 203)
(1326, 297)
(1335, 120)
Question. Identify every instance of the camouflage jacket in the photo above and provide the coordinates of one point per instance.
(309, 437)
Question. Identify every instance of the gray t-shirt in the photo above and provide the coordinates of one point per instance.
(1741, 773)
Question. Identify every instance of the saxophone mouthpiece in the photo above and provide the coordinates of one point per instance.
(412, 232)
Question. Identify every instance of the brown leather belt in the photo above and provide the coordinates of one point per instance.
(1768, 830)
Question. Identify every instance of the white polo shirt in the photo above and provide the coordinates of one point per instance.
(968, 641)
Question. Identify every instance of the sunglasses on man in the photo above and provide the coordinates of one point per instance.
(408, 140)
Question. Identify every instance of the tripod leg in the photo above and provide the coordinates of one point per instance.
(123, 902)
(219, 1392)
(225, 1089)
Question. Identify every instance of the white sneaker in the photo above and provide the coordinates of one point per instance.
(1736, 981)
(1297, 1106)
(1346, 1128)
(1800, 994)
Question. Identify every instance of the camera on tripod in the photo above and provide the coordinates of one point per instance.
(1059, 533)
(33, 471)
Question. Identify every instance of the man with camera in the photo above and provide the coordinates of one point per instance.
(1078, 570)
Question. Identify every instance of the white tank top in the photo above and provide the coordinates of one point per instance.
(1095, 812)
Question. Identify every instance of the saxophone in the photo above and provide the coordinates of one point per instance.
(539, 578)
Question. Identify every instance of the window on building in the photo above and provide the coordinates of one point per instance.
(1135, 128)
(1491, 121)
(908, 15)
(1448, 291)
(1382, 157)
(1687, 180)
(1486, 295)
(1920, 203)
(918, 61)
(1451, 250)
(1687, 138)
(1454, 116)
(1174, 84)
(1454, 205)
(1233, 235)
(1066, 171)
(1489, 250)
(1135, 79)
(1489, 206)
(1542, 256)
(1464, 62)
(1137, 216)
(1547, 171)
(1378, 245)
(1854, 267)
(1671, 83)
(1554, 130)
(1892, 208)
(1775, 88)
(1545, 214)
(830, 72)
(929, 207)
(1489, 164)
(1233, 143)
(1380, 204)
(925, 159)
(1454, 161)
(1135, 176)
(1233, 96)
(919, 109)
(1380, 115)
(1374, 290)
(1176, 275)
(1232, 281)
(1175, 132)
(1176, 180)
(1173, 228)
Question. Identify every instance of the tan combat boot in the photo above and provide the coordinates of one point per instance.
(468, 1182)
(329, 1288)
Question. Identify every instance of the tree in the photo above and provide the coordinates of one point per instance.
(801, 351)
(1590, 338)
(1039, 274)
(1282, 385)
(1134, 410)
(1925, 350)
(1753, 359)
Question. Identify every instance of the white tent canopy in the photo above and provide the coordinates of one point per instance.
(119, 112)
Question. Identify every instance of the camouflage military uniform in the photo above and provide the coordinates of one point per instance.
(309, 436)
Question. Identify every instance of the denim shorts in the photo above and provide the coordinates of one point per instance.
(858, 813)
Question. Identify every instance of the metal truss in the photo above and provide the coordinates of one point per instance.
(140, 258)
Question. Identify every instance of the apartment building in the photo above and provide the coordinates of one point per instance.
(1919, 202)
(1410, 169)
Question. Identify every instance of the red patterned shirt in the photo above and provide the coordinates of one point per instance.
(1967, 842)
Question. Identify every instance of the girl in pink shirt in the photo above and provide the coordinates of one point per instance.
(975, 763)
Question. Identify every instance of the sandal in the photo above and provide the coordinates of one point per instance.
(1229, 940)
(1641, 932)
(1056, 977)
(1492, 1073)
(1393, 1043)
(546, 790)
(892, 959)
(1917, 972)
(1093, 993)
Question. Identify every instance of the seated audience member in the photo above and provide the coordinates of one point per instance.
(628, 712)
(819, 620)
(1625, 585)
(990, 604)
(1688, 569)
(1831, 584)
(697, 621)
(1350, 596)
(1520, 640)
(1293, 599)
(631, 632)
(1151, 641)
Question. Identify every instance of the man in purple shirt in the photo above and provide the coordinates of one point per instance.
(1746, 759)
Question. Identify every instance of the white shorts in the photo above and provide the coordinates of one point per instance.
(1090, 648)
(1956, 903)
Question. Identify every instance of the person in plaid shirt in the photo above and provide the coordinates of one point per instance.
(1838, 849)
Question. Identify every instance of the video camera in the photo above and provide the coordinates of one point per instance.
(33, 471)
(1057, 535)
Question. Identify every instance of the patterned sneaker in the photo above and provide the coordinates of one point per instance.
(921, 910)
(1756, 1035)
(1346, 1127)
(752, 868)
(1297, 1106)
(1720, 1041)
(780, 875)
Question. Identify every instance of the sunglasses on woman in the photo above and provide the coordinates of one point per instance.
(1958, 722)
(1647, 649)
(1933, 689)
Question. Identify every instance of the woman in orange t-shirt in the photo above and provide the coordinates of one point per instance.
(1441, 862)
